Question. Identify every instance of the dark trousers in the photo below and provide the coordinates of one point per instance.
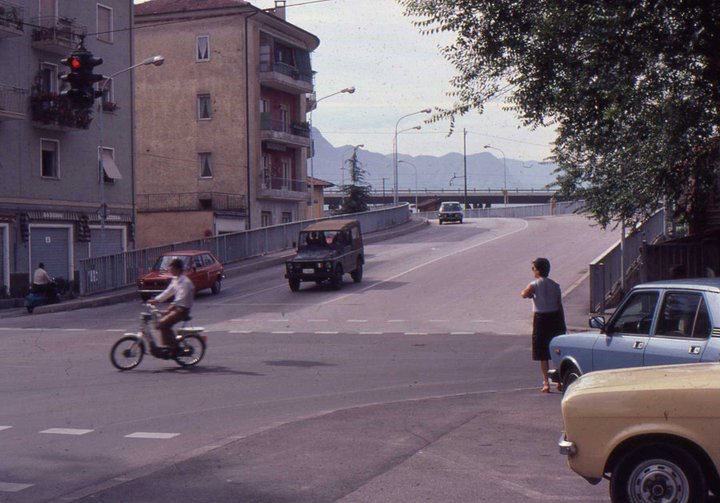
(166, 323)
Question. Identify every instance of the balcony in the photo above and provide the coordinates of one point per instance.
(12, 22)
(284, 77)
(191, 201)
(53, 111)
(13, 103)
(58, 35)
(283, 188)
(295, 133)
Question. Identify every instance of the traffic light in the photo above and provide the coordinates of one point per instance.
(81, 78)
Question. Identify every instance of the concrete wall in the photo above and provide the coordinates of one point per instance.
(155, 229)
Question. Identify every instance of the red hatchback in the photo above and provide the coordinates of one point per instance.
(203, 269)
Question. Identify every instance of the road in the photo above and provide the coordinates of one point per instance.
(414, 385)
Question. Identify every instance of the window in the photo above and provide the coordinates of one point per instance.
(284, 118)
(110, 169)
(636, 315)
(49, 158)
(266, 218)
(205, 164)
(48, 78)
(104, 23)
(286, 175)
(266, 171)
(684, 315)
(204, 107)
(286, 217)
(202, 48)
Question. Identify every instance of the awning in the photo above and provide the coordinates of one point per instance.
(111, 169)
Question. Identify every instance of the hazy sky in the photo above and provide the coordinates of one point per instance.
(369, 44)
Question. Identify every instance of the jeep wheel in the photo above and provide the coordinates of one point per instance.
(294, 284)
(657, 472)
(358, 272)
(337, 278)
(439, 222)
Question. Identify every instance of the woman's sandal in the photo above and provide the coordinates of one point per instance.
(546, 388)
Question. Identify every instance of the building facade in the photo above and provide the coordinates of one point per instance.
(222, 137)
(51, 187)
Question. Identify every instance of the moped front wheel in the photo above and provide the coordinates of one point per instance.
(190, 351)
(127, 352)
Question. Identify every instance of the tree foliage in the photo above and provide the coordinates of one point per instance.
(633, 88)
(357, 192)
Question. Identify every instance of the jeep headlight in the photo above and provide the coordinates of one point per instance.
(328, 266)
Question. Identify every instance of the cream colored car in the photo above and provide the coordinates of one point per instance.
(653, 431)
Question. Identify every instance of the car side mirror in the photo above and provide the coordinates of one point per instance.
(597, 322)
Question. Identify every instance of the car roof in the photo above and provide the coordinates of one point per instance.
(331, 225)
(707, 284)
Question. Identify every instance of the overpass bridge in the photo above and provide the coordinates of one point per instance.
(430, 199)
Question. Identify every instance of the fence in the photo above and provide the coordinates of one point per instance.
(619, 267)
(110, 272)
(533, 210)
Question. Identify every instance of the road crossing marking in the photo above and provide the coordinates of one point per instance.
(153, 435)
(66, 431)
(10, 487)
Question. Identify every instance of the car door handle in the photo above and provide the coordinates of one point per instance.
(638, 345)
(694, 350)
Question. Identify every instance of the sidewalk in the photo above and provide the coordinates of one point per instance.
(231, 270)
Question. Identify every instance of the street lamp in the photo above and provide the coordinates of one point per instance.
(395, 151)
(154, 60)
(505, 192)
(347, 90)
(416, 184)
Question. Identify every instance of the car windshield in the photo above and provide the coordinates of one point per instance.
(451, 207)
(163, 262)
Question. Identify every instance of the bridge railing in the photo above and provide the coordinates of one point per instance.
(111, 272)
(525, 211)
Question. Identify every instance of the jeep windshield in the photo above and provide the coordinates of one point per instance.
(451, 207)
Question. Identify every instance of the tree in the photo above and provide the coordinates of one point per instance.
(632, 86)
(357, 192)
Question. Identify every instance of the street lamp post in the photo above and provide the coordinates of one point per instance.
(395, 151)
(416, 184)
(154, 60)
(347, 90)
(505, 192)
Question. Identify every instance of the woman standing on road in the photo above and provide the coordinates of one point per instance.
(548, 315)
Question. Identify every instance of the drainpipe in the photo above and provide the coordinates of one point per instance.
(248, 226)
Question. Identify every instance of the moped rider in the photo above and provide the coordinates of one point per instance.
(184, 292)
(41, 280)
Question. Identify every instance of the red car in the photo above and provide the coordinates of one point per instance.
(202, 267)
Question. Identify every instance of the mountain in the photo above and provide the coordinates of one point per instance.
(484, 170)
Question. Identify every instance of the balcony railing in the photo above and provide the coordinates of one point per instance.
(285, 69)
(191, 201)
(56, 34)
(13, 102)
(54, 111)
(12, 17)
(285, 184)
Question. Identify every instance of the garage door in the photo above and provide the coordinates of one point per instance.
(50, 245)
(108, 244)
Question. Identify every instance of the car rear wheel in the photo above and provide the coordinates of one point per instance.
(569, 376)
(658, 472)
(216, 287)
(357, 274)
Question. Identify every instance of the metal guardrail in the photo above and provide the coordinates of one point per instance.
(111, 272)
(606, 271)
(532, 210)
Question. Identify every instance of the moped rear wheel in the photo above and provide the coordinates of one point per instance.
(127, 352)
(190, 350)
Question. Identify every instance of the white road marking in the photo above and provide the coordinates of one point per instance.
(481, 321)
(240, 331)
(116, 330)
(5, 428)
(277, 321)
(66, 431)
(462, 333)
(438, 321)
(326, 333)
(371, 333)
(416, 333)
(240, 319)
(9, 487)
(318, 321)
(73, 329)
(396, 321)
(282, 332)
(154, 435)
(357, 321)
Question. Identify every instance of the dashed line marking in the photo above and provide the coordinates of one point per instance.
(153, 435)
(277, 321)
(416, 333)
(327, 332)
(282, 332)
(438, 321)
(66, 431)
(5, 428)
(10, 487)
(319, 320)
(240, 319)
(371, 333)
(73, 329)
(240, 331)
(481, 321)
(462, 333)
(396, 321)
(357, 321)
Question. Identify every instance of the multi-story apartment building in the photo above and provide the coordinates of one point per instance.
(51, 187)
(222, 137)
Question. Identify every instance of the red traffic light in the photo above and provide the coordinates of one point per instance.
(75, 63)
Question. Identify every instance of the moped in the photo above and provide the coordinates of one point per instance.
(128, 351)
(47, 295)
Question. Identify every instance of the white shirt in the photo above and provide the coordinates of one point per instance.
(41, 277)
(183, 290)
(547, 296)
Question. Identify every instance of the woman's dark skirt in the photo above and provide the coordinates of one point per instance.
(545, 327)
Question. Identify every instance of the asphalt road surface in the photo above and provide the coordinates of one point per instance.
(414, 385)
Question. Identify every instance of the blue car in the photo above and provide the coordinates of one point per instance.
(657, 323)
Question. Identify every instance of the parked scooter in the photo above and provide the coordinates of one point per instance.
(47, 294)
(128, 351)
